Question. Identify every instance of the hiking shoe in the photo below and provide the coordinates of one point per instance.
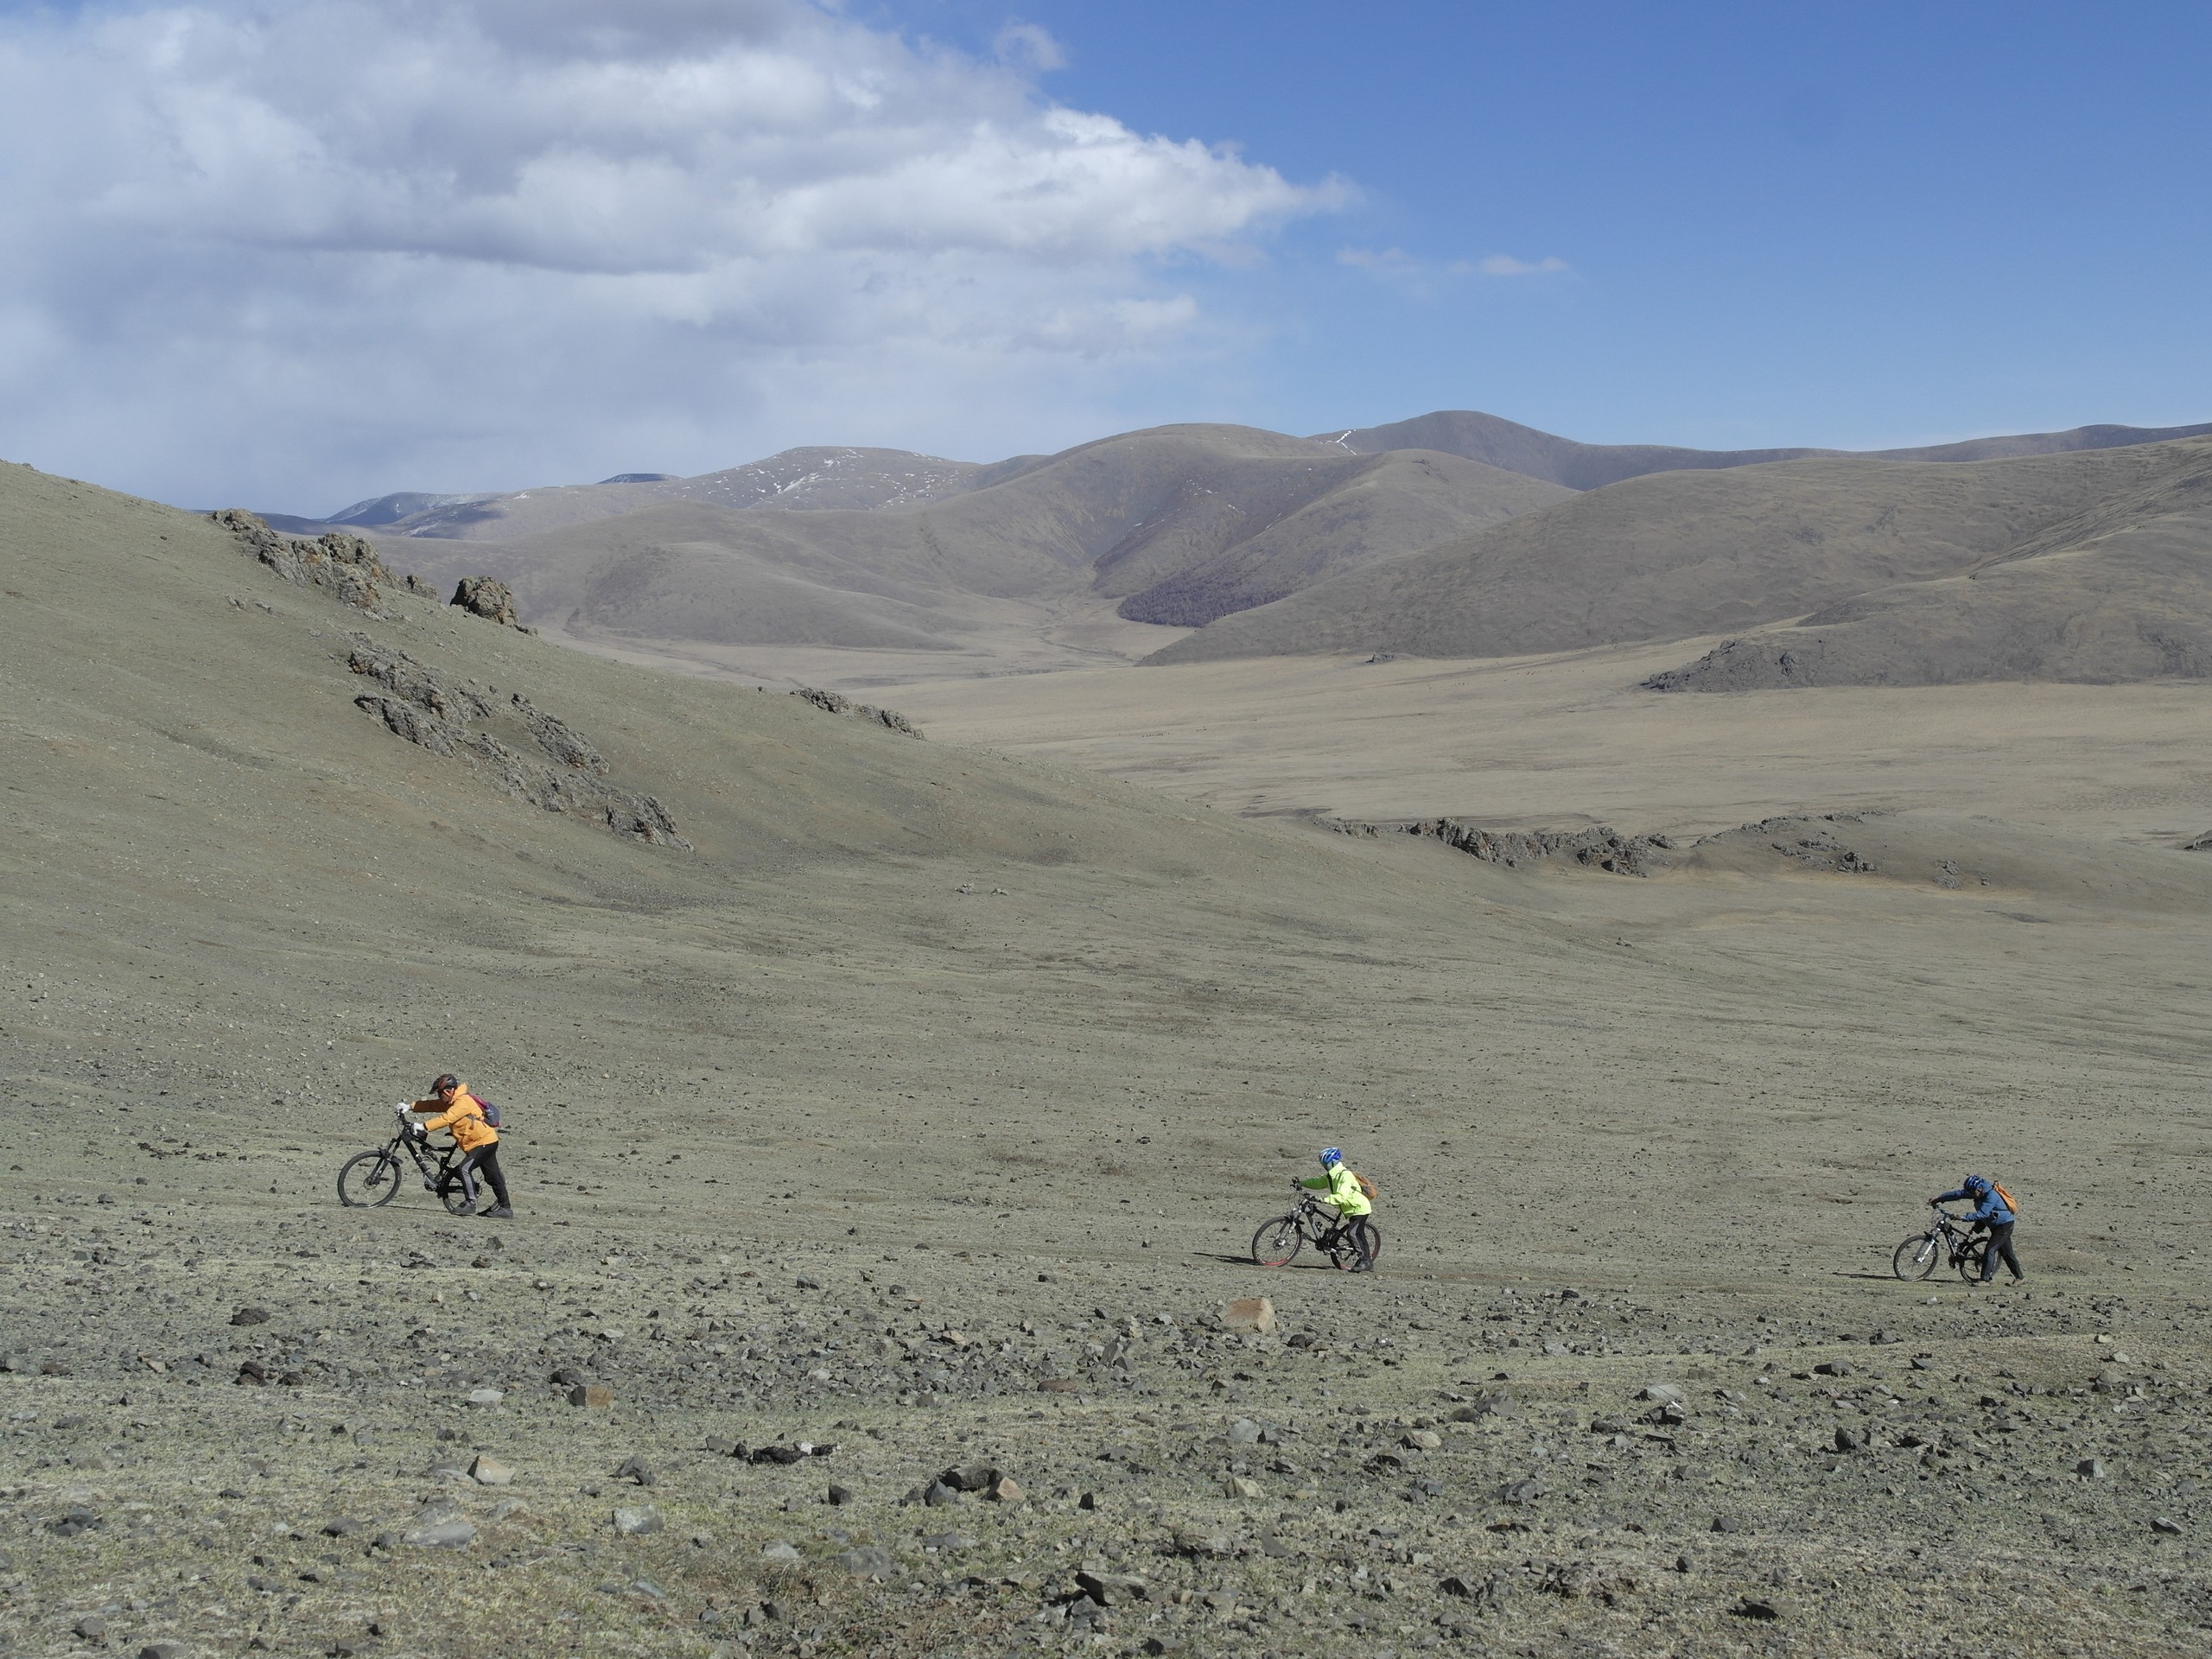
(469, 1208)
(502, 1213)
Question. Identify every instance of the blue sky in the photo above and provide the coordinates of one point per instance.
(293, 253)
(1861, 225)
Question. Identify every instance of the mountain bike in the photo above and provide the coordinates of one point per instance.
(1922, 1254)
(1345, 1240)
(369, 1179)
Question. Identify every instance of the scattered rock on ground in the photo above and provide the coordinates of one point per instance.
(869, 1560)
(1249, 1315)
(488, 1471)
(633, 1520)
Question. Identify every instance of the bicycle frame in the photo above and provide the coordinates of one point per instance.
(434, 1164)
(1957, 1236)
(1329, 1233)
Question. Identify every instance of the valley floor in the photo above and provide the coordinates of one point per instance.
(919, 1103)
(1561, 740)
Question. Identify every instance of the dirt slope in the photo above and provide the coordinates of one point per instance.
(1677, 554)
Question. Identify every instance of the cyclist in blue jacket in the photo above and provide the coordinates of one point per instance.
(1990, 1214)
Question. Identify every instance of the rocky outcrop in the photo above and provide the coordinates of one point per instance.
(1598, 848)
(1753, 664)
(458, 721)
(1813, 844)
(337, 561)
(831, 702)
(492, 600)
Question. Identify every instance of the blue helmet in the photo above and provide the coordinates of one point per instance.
(1330, 1155)
(1976, 1184)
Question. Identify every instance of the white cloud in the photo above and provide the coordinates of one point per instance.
(1424, 279)
(1383, 262)
(1030, 47)
(292, 251)
(1504, 264)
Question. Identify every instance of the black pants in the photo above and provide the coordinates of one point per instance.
(487, 1160)
(1354, 1231)
(1365, 1235)
(2000, 1244)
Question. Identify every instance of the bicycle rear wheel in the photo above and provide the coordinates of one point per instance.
(1971, 1259)
(1917, 1257)
(451, 1192)
(1275, 1244)
(368, 1178)
(1358, 1243)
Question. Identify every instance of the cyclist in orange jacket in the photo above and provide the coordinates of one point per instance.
(461, 1113)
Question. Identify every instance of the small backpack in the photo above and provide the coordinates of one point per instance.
(491, 1113)
(1367, 1186)
(2006, 1198)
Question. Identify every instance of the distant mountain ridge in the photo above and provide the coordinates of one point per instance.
(1517, 449)
(825, 476)
(1273, 543)
(808, 479)
(1179, 524)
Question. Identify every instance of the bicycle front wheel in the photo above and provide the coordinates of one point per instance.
(367, 1179)
(1917, 1257)
(1275, 1244)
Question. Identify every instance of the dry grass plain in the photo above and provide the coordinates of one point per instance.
(935, 1073)
(1567, 739)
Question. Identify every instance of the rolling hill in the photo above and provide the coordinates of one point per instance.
(1937, 569)
(2121, 592)
(978, 568)
(1179, 524)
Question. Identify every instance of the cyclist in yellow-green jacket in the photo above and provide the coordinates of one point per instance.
(1341, 1188)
